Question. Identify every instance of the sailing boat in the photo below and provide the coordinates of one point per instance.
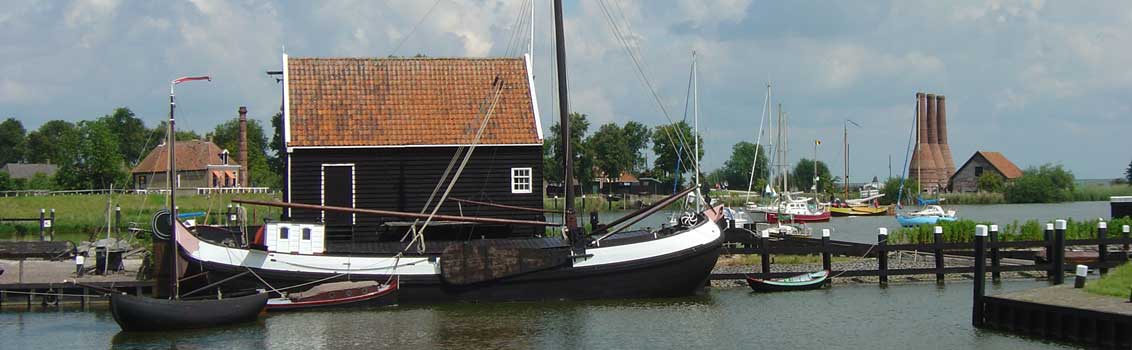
(787, 208)
(864, 206)
(609, 262)
(138, 313)
(930, 213)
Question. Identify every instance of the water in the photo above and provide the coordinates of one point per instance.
(921, 316)
(864, 228)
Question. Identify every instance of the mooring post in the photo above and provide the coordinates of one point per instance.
(1079, 277)
(882, 254)
(1059, 252)
(1102, 248)
(764, 251)
(826, 259)
(937, 241)
(1048, 236)
(1124, 234)
(228, 215)
(996, 275)
(117, 218)
(980, 274)
(42, 213)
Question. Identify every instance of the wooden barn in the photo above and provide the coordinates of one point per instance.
(966, 179)
(379, 133)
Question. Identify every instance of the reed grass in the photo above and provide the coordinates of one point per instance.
(963, 231)
(1089, 193)
(1117, 283)
(973, 198)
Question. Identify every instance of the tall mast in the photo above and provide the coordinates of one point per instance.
(695, 139)
(569, 218)
(845, 150)
(170, 178)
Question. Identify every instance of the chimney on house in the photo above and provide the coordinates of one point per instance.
(941, 128)
(243, 155)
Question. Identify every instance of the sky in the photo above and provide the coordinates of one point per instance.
(1041, 82)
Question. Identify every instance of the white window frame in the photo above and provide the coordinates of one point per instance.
(353, 189)
(529, 177)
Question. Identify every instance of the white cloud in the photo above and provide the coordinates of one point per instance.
(12, 91)
(85, 12)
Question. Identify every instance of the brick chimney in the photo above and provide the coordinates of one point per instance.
(933, 141)
(922, 166)
(245, 173)
(941, 128)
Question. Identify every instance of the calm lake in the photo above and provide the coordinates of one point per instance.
(902, 316)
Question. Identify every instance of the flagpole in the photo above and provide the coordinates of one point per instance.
(171, 179)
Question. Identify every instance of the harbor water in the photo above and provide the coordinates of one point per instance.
(901, 316)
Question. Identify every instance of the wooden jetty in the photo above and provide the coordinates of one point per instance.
(56, 292)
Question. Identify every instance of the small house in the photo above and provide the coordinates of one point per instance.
(26, 171)
(200, 164)
(966, 179)
(391, 133)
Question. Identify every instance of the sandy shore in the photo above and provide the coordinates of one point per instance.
(42, 271)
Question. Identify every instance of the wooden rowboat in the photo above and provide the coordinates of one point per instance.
(807, 281)
(136, 313)
(353, 294)
(859, 211)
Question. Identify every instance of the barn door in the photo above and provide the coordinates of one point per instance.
(338, 191)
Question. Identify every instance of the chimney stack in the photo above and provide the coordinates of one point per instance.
(933, 142)
(245, 173)
(948, 164)
(922, 166)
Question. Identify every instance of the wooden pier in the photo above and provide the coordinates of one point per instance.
(61, 292)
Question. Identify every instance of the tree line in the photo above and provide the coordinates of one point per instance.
(100, 153)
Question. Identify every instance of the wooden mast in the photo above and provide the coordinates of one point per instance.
(569, 218)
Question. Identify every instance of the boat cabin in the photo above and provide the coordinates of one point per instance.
(383, 133)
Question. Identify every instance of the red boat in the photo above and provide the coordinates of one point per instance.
(358, 293)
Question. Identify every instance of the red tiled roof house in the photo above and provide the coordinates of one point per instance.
(379, 133)
(200, 164)
(966, 179)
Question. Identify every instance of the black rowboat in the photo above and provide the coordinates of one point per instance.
(806, 281)
(134, 313)
(338, 294)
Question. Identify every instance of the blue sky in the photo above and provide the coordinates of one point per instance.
(1041, 82)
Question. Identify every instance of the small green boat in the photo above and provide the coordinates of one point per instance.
(806, 281)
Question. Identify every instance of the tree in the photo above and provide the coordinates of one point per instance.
(892, 191)
(158, 133)
(276, 161)
(227, 136)
(130, 132)
(611, 151)
(989, 181)
(13, 140)
(672, 143)
(736, 171)
(48, 144)
(1045, 184)
(1128, 173)
(803, 176)
(97, 164)
(583, 160)
(637, 137)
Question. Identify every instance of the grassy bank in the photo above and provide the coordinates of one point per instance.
(963, 231)
(1101, 192)
(1116, 283)
(79, 217)
(599, 202)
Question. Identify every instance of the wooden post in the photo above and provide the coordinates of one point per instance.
(980, 274)
(117, 217)
(826, 259)
(41, 218)
(228, 216)
(996, 275)
(764, 250)
(937, 240)
(51, 224)
(1124, 234)
(1059, 251)
(1102, 249)
(882, 254)
(1048, 236)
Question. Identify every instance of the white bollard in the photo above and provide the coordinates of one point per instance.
(1082, 273)
(825, 232)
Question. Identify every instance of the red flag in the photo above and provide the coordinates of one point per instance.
(184, 79)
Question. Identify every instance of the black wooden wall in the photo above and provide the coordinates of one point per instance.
(402, 179)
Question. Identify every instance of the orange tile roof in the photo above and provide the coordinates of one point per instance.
(191, 155)
(1004, 166)
(408, 101)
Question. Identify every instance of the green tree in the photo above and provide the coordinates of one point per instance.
(611, 152)
(40, 181)
(1128, 173)
(736, 171)
(583, 159)
(276, 161)
(97, 164)
(669, 139)
(892, 191)
(1045, 184)
(13, 140)
(803, 176)
(989, 181)
(48, 144)
(158, 133)
(6, 183)
(227, 136)
(637, 137)
(133, 138)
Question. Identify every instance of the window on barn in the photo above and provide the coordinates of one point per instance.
(520, 180)
(978, 171)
